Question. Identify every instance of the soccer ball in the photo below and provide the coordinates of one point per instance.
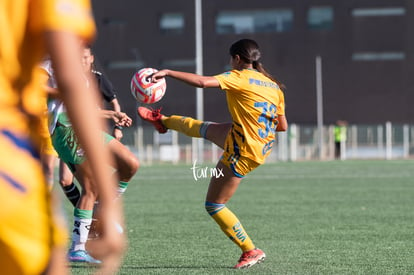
(144, 90)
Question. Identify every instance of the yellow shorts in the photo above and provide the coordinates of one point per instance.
(240, 165)
(234, 154)
(28, 228)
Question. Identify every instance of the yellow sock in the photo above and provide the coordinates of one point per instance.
(230, 225)
(186, 125)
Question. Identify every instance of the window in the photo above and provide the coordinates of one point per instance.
(378, 56)
(380, 31)
(320, 18)
(390, 11)
(275, 20)
(172, 23)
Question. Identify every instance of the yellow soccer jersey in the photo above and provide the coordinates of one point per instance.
(254, 102)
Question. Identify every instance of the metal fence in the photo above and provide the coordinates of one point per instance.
(300, 142)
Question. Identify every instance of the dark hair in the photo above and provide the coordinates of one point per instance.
(248, 51)
(89, 47)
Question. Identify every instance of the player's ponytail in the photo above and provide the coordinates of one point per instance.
(259, 66)
(249, 52)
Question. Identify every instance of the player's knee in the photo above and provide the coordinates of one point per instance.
(64, 182)
(212, 208)
(90, 194)
(126, 172)
(89, 189)
(134, 166)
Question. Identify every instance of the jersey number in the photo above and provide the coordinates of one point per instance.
(267, 117)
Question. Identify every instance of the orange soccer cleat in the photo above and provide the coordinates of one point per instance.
(250, 258)
(153, 117)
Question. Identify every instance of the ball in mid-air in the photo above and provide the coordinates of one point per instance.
(144, 90)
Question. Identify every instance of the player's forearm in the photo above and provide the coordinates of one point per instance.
(194, 79)
(115, 105)
(108, 114)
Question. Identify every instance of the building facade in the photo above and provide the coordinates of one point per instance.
(366, 49)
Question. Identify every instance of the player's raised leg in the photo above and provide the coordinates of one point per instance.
(214, 132)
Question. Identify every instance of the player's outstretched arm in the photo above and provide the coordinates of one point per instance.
(189, 78)
(120, 118)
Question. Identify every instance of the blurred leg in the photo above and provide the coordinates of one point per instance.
(69, 187)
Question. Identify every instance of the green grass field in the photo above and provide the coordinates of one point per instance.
(338, 217)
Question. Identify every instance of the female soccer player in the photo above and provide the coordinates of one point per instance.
(256, 104)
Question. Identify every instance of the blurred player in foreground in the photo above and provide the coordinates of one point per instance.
(256, 104)
(31, 239)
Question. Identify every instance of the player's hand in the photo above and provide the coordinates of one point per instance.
(121, 119)
(159, 75)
